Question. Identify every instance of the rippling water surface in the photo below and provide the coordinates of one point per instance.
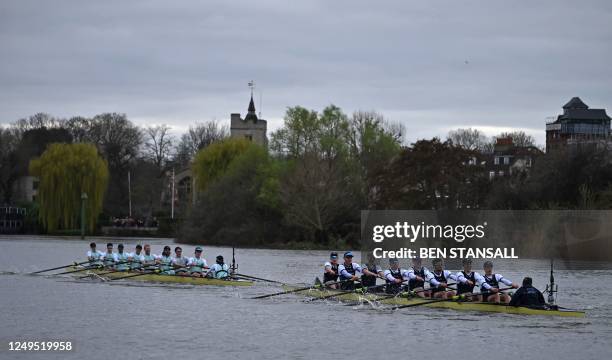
(136, 320)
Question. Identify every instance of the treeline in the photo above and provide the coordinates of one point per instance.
(147, 153)
(323, 168)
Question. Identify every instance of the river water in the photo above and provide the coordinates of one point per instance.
(148, 321)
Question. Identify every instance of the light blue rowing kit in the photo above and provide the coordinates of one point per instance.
(165, 265)
(182, 262)
(95, 258)
(122, 258)
(219, 271)
(196, 265)
(109, 259)
(137, 260)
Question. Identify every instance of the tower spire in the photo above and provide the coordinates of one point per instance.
(251, 114)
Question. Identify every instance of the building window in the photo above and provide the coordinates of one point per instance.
(35, 184)
(501, 173)
(528, 162)
(249, 137)
(491, 174)
(506, 160)
(496, 160)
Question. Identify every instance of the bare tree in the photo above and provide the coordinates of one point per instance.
(158, 144)
(198, 137)
(519, 138)
(469, 139)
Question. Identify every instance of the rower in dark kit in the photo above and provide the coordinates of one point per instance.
(466, 281)
(528, 296)
(330, 272)
(489, 285)
(417, 275)
(371, 272)
(394, 277)
(439, 281)
(348, 271)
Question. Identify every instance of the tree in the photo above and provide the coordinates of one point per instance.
(118, 140)
(469, 139)
(9, 141)
(212, 162)
(65, 172)
(158, 145)
(519, 138)
(197, 138)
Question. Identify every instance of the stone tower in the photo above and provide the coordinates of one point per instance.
(250, 127)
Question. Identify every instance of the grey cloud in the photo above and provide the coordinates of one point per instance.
(180, 62)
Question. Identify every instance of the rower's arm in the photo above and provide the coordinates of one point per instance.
(504, 281)
(460, 278)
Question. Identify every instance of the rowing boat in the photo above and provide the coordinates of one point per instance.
(160, 278)
(454, 305)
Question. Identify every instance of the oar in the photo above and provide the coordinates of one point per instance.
(88, 268)
(134, 275)
(311, 287)
(454, 298)
(260, 279)
(60, 267)
(409, 292)
(343, 292)
(112, 271)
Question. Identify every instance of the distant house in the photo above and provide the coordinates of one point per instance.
(25, 189)
(578, 125)
(508, 159)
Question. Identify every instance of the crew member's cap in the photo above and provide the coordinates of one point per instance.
(488, 264)
(348, 254)
(93, 244)
(198, 249)
(467, 261)
(166, 248)
(109, 245)
(138, 246)
(220, 258)
(333, 255)
(120, 246)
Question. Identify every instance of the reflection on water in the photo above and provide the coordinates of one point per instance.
(177, 320)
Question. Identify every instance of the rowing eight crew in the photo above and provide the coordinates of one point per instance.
(417, 276)
(140, 261)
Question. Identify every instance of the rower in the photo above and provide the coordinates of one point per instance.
(109, 258)
(148, 259)
(179, 262)
(528, 296)
(122, 259)
(219, 270)
(394, 277)
(330, 272)
(371, 272)
(489, 285)
(165, 261)
(439, 280)
(197, 263)
(94, 256)
(347, 271)
(136, 259)
(417, 275)
(466, 281)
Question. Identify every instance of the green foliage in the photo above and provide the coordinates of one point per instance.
(65, 171)
(213, 161)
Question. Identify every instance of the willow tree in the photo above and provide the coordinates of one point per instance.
(213, 161)
(65, 172)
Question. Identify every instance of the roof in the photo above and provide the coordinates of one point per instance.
(251, 115)
(575, 103)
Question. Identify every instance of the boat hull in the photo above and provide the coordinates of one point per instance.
(175, 279)
(454, 305)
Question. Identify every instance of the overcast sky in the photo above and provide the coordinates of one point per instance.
(431, 65)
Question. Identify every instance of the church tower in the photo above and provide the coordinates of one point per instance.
(251, 127)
